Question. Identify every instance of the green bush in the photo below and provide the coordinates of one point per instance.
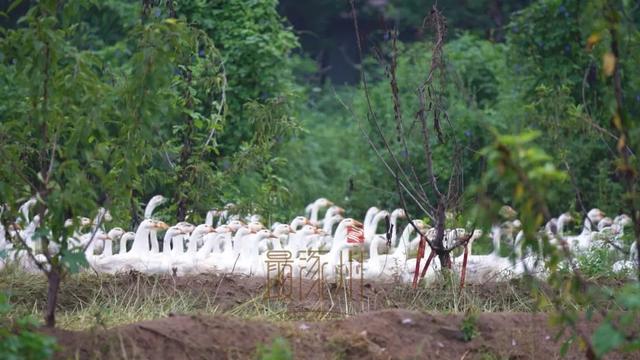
(18, 339)
(278, 350)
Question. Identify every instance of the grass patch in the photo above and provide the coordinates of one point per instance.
(88, 300)
(278, 350)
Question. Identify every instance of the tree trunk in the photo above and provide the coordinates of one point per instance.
(636, 225)
(495, 13)
(54, 278)
(184, 172)
(133, 209)
(441, 218)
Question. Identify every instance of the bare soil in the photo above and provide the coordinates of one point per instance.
(374, 324)
(386, 334)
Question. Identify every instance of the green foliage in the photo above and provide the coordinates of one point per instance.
(278, 350)
(597, 263)
(19, 340)
(145, 110)
(469, 326)
(163, 89)
(617, 330)
(255, 46)
(333, 159)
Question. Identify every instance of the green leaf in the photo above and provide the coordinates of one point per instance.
(13, 5)
(74, 260)
(606, 338)
(565, 347)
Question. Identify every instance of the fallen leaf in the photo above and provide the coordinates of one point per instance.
(608, 64)
(617, 122)
(593, 40)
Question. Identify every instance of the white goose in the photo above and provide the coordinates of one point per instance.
(297, 222)
(331, 211)
(395, 215)
(331, 260)
(484, 268)
(250, 262)
(153, 203)
(148, 213)
(299, 240)
(217, 254)
(370, 231)
(211, 215)
(124, 241)
(371, 212)
(138, 256)
(185, 263)
(583, 241)
(628, 266)
(315, 209)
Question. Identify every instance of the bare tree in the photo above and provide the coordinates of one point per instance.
(418, 184)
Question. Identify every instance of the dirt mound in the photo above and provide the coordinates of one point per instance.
(388, 334)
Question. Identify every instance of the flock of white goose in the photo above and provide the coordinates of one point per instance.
(241, 245)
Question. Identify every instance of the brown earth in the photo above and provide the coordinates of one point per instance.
(373, 321)
(386, 334)
(374, 324)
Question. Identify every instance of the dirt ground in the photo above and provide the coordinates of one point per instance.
(374, 324)
(386, 334)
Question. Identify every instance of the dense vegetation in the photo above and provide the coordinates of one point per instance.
(217, 110)
(107, 103)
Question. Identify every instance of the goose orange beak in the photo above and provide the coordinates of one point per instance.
(358, 223)
(162, 225)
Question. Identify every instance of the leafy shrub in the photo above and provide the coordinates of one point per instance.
(469, 326)
(18, 339)
(617, 331)
(278, 350)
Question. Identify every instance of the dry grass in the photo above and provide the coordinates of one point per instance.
(89, 300)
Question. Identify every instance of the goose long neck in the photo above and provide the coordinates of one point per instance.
(192, 247)
(495, 237)
(633, 253)
(406, 234)
(374, 223)
(210, 243)
(562, 221)
(373, 249)
(517, 245)
(141, 240)
(394, 228)
(295, 224)
(329, 214)
(328, 224)
(123, 244)
(150, 208)
(209, 219)
(225, 241)
(369, 215)
(339, 242)
(153, 238)
(108, 248)
(405, 242)
(277, 243)
(587, 228)
(167, 241)
(314, 214)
